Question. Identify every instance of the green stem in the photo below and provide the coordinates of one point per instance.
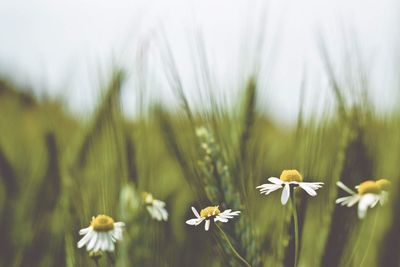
(355, 246)
(296, 228)
(232, 248)
(370, 238)
(111, 258)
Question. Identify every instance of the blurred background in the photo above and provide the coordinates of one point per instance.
(63, 49)
(102, 101)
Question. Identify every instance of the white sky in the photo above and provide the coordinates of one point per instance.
(64, 48)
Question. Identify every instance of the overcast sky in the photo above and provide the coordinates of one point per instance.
(64, 48)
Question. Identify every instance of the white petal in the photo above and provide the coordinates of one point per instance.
(192, 221)
(366, 201)
(265, 186)
(225, 212)
(195, 212)
(373, 199)
(98, 243)
(343, 200)
(92, 241)
(268, 188)
(308, 189)
(86, 230)
(104, 242)
(353, 200)
(383, 198)
(85, 239)
(230, 213)
(195, 221)
(158, 203)
(164, 214)
(225, 216)
(116, 234)
(119, 224)
(111, 245)
(361, 211)
(221, 219)
(374, 203)
(207, 225)
(285, 194)
(157, 214)
(345, 188)
(314, 185)
(275, 180)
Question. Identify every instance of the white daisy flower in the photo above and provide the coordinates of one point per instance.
(155, 207)
(210, 213)
(288, 179)
(369, 193)
(101, 235)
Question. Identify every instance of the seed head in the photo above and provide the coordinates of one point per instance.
(209, 211)
(102, 223)
(291, 176)
(368, 187)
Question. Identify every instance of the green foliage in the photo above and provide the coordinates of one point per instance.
(57, 172)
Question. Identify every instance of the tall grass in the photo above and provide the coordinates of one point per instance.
(58, 171)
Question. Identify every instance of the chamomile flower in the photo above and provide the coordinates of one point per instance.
(288, 179)
(101, 235)
(211, 213)
(369, 193)
(155, 207)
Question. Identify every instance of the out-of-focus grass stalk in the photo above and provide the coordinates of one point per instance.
(7, 217)
(231, 246)
(174, 79)
(296, 227)
(176, 149)
(352, 165)
(104, 110)
(106, 132)
(131, 160)
(245, 136)
(219, 185)
(388, 249)
(45, 216)
(371, 236)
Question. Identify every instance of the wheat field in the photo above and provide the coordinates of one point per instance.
(57, 171)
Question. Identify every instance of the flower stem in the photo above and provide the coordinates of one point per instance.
(232, 248)
(111, 259)
(296, 229)
(370, 238)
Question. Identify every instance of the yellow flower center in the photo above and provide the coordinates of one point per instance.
(368, 187)
(291, 176)
(147, 197)
(209, 211)
(383, 184)
(102, 223)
